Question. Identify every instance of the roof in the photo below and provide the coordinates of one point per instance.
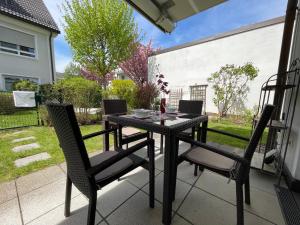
(243, 29)
(30, 11)
(166, 13)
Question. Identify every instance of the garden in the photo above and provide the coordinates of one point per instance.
(96, 45)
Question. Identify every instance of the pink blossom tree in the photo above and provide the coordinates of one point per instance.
(136, 67)
(100, 80)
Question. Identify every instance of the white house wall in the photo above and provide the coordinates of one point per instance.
(193, 65)
(293, 153)
(24, 66)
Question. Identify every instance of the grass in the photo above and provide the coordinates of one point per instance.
(230, 127)
(47, 139)
(18, 119)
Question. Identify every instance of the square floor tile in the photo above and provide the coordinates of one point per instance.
(181, 190)
(136, 211)
(7, 191)
(114, 194)
(204, 209)
(79, 212)
(139, 177)
(42, 200)
(185, 172)
(10, 213)
(263, 203)
(38, 179)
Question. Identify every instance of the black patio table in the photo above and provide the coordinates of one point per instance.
(169, 126)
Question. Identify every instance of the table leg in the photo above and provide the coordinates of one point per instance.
(204, 131)
(168, 178)
(106, 136)
(161, 144)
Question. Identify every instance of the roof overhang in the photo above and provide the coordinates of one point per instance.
(166, 13)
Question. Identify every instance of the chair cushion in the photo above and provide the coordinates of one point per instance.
(128, 131)
(209, 159)
(113, 169)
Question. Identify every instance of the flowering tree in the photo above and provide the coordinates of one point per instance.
(100, 80)
(136, 67)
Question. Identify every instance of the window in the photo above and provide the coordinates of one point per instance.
(16, 42)
(10, 80)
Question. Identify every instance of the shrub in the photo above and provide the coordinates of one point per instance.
(7, 105)
(81, 93)
(123, 89)
(146, 95)
(25, 85)
(47, 92)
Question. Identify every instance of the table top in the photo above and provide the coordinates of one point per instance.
(160, 123)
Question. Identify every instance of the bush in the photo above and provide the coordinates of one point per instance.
(81, 93)
(7, 105)
(146, 95)
(47, 92)
(25, 85)
(123, 89)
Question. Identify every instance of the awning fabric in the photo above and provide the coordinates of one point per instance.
(166, 13)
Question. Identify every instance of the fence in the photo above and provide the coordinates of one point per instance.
(14, 117)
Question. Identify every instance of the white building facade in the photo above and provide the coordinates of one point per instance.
(193, 63)
(26, 44)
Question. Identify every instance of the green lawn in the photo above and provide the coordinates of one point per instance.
(230, 127)
(46, 137)
(18, 119)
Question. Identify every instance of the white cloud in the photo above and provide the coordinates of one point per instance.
(61, 61)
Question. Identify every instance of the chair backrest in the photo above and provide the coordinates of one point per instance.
(190, 106)
(70, 140)
(258, 132)
(114, 106)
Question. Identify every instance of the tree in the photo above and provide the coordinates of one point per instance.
(136, 67)
(102, 33)
(72, 69)
(230, 85)
(25, 85)
(99, 80)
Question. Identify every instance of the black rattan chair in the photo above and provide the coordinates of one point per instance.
(126, 135)
(91, 174)
(227, 163)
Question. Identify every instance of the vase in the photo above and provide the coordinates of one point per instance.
(163, 105)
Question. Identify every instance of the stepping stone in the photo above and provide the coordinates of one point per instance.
(23, 148)
(30, 159)
(18, 132)
(23, 139)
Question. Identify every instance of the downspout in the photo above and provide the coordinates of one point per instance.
(51, 57)
(284, 54)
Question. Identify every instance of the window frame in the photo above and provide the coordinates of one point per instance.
(20, 52)
(19, 77)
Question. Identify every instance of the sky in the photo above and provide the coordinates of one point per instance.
(225, 17)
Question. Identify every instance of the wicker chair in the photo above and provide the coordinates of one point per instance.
(126, 134)
(91, 174)
(227, 163)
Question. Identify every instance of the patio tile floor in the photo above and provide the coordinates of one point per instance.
(38, 199)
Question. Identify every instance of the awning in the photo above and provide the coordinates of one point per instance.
(165, 13)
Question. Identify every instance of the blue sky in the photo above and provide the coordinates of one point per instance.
(224, 17)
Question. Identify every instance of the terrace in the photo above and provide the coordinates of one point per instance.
(38, 198)
(206, 198)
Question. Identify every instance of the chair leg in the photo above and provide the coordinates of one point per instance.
(151, 175)
(92, 209)
(196, 170)
(239, 204)
(68, 197)
(247, 191)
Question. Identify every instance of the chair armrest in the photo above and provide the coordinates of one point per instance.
(121, 155)
(228, 134)
(215, 150)
(99, 133)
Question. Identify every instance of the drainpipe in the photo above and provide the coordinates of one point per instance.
(51, 57)
(284, 54)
